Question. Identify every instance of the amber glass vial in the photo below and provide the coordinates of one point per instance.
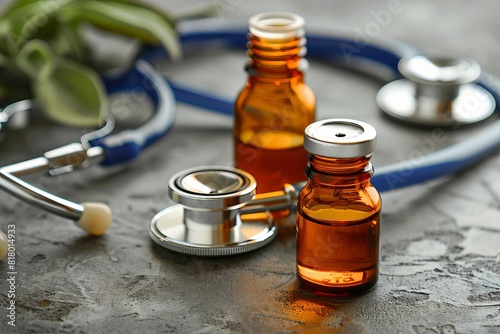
(274, 108)
(338, 211)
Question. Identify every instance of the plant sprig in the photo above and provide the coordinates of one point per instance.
(43, 53)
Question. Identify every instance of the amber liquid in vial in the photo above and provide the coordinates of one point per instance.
(267, 165)
(333, 258)
(338, 227)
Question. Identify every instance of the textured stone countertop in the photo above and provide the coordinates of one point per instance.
(440, 269)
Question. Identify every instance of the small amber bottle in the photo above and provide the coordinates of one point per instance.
(338, 211)
(274, 108)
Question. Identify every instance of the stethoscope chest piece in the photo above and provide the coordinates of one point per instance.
(207, 221)
(438, 90)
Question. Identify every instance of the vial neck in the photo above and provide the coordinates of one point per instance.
(276, 58)
(351, 171)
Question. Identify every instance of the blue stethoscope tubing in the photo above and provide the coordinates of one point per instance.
(114, 149)
(126, 146)
(379, 58)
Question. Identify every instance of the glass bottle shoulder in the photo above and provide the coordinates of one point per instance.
(273, 110)
(344, 204)
(277, 100)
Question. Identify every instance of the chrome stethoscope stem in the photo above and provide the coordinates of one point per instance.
(52, 161)
(279, 200)
(39, 198)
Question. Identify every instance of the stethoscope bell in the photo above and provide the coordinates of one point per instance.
(438, 91)
(207, 220)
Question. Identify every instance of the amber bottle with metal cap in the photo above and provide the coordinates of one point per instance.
(275, 106)
(338, 211)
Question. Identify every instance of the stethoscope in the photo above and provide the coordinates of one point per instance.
(100, 146)
(217, 213)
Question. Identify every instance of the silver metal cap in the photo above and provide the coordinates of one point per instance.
(212, 188)
(340, 138)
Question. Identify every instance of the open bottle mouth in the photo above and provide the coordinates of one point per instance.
(277, 42)
(277, 25)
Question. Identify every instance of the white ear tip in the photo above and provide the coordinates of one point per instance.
(95, 219)
(3, 245)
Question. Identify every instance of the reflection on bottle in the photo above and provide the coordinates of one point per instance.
(275, 106)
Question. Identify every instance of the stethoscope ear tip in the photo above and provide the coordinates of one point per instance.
(3, 245)
(95, 219)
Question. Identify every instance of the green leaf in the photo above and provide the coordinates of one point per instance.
(122, 18)
(7, 41)
(69, 42)
(71, 94)
(146, 5)
(34, 57)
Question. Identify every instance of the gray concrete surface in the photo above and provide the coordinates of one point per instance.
(440, 269)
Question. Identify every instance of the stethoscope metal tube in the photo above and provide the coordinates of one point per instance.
(94, 218)
(51, 161)
(99, 146)
(275, 201)
(14, 110)
(39, 198)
